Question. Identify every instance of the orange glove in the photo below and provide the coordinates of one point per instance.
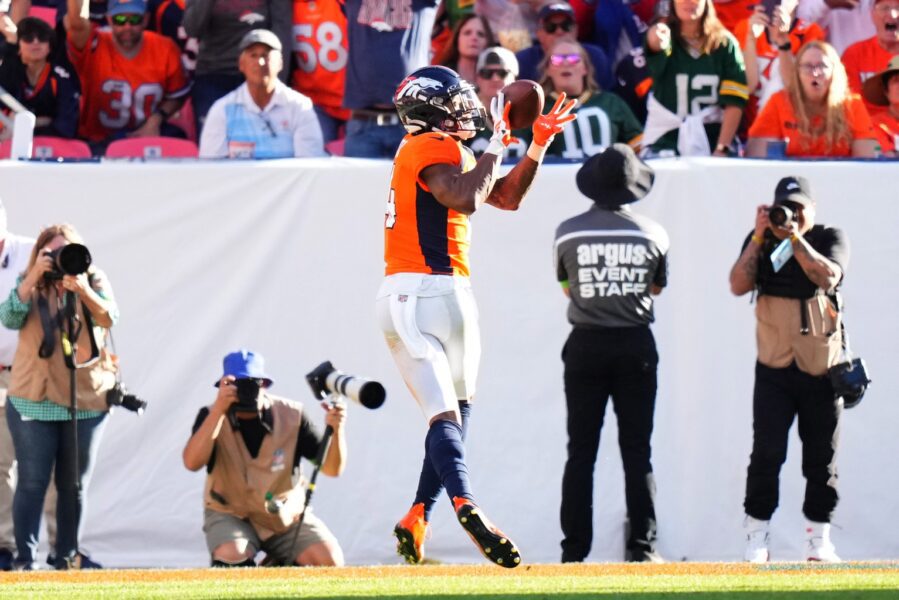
(548, 125)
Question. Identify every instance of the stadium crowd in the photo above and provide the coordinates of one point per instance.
(799, 78)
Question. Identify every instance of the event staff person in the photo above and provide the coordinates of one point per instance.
(425, 306)
(14, 253)
(799, 337)
(610, 262)
(38, 405)
(250, 442)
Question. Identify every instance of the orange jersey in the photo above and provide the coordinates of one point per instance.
(886, 126)
(731, 13)
(420, 234)
(769, 67)
(863, 60)
(320, 48)
(777, 120)
(119, 93)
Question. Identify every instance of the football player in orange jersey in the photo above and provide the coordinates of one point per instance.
(425, 305)
(132, 79)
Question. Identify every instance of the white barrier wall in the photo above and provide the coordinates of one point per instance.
(285, 257)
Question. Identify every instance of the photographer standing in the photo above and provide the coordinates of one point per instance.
(38, 412)
(251, 442)
(799, 338)
(610, 263)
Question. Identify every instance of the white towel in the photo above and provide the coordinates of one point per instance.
(691, 137)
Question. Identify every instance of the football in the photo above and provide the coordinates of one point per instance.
(526, 97)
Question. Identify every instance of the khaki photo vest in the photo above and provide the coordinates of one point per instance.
(238, 482)
(781, 336)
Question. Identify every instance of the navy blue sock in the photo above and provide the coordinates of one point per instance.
(429, 483)
(447, 452)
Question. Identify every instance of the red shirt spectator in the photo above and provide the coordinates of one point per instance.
(731, 12)
(132, 80)
(882, 90)
(864, 59)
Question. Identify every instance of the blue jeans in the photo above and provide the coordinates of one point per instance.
(39, 445)
(367, 139)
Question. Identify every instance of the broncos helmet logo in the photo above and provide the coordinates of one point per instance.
(414, 86)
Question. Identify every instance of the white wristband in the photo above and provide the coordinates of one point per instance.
(536, 152)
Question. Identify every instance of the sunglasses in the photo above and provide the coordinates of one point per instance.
(552, 27)
(29, 38)
(122, 20)
(490, 73)
(557, 60)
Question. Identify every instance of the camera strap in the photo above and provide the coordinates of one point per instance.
(48, 344)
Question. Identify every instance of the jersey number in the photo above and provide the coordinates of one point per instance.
(390, 214)
(332, 56)
(122, 102)
(686, 84)
(591, 122)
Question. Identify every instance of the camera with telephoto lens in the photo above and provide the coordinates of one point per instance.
(71, 259)
(120, 396)
(780, 215)
(325, 379)
(247, 393)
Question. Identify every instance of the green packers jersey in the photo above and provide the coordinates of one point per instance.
(602, 120)
(686, 82)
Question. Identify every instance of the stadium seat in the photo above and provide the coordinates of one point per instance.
(152, 147)
(44, 13)
(51, 147)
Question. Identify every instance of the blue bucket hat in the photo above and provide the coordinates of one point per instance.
(245, 364)
(126, 7)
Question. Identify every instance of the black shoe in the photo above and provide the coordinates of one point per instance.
(492, 542)
(5, 559)
(79, 561)
(650, 556)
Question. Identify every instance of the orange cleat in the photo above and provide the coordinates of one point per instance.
(410, 534)
(493, 543)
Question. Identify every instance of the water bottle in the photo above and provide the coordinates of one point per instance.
(22, 135)
(272, 504)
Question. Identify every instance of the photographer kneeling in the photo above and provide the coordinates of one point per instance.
(251, 442)
(40, 392)
(796, 267)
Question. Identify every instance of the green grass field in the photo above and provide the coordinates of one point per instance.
(704, 581)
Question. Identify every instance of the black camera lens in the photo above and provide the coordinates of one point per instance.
(247, 392)
(71, 259)
(780, 215)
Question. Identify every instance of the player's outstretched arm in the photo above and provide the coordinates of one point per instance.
(511, 189)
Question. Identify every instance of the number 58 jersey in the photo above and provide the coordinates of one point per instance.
(420, 234)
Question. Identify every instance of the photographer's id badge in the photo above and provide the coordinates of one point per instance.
(278, 460)
(782, 254)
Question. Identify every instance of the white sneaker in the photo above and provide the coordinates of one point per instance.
(756, 541)
(818, 547)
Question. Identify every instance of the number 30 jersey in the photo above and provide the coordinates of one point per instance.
(120, 93)
(420, 234)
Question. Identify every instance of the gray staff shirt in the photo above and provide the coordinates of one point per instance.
(609, 260)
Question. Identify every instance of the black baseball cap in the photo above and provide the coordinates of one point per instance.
(793, 189)
(556, 8)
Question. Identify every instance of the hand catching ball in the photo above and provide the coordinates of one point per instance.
(526, 97)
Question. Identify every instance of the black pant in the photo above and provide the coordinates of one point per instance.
(622, 363)
(780, 395)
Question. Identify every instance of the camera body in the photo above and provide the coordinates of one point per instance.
(325, 379)
(247, 393)
(71, 259)
(120, 396)
(779, 215)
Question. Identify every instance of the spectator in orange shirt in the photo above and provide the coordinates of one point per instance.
(769, 43)
(817, 114)
(732, 12)
(471, 36)
(863, 59)
(132, 79)
(883, 90)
